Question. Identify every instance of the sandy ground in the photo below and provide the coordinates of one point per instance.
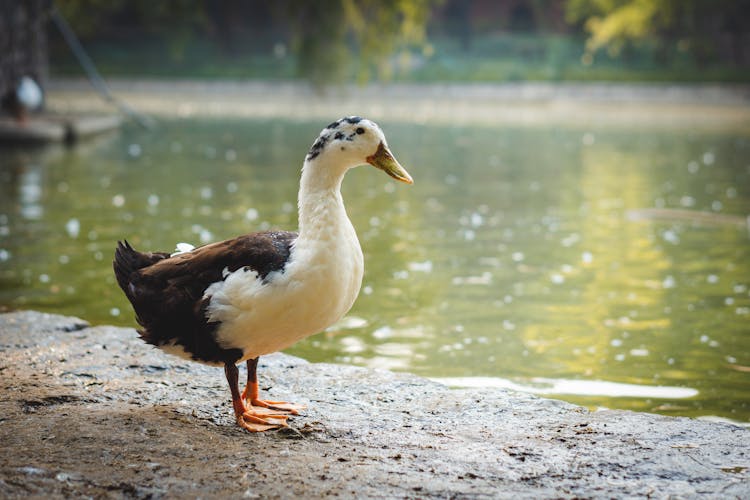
(92, 411)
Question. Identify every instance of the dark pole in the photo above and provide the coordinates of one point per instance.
(92, 73)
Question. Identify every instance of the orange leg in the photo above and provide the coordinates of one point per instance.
(251, 395)
(250, 419)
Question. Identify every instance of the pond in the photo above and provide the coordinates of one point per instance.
(607, 268)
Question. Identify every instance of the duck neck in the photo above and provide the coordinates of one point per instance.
(321, 207)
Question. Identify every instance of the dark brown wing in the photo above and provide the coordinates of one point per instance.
(167, 292)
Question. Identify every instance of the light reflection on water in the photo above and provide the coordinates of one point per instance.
(547, 386)
(619, 258)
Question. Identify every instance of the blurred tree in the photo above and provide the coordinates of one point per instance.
(457, 21)
(705, 29)
(175, 20)
(333, 37)
(23, 43)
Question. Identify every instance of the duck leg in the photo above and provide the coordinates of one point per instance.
(250, 419)
(251, 394)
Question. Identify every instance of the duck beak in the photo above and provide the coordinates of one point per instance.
(384, 160)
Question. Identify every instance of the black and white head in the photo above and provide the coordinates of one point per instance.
(354, 141)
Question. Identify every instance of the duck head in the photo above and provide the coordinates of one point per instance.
(354, 141)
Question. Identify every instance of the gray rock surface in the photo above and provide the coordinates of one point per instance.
(92, 411)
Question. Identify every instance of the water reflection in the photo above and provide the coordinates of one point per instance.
(617, 261)
(30, 192)
(545, 386)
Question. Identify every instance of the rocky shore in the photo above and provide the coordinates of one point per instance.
(92, 411)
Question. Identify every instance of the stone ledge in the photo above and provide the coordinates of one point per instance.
(46, 128)
(93, 411)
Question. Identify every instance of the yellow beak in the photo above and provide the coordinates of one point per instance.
(384, 160)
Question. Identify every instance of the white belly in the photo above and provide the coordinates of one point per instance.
(316, 288)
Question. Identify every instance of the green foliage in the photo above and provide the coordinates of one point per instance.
(704, 29)
(331, 39)
(336, 38)
(614, 23)
(175, 21)
(327, 41)
(85, 15)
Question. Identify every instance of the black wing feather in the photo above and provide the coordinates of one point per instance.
(167, 292)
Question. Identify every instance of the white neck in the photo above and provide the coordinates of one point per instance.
(320, 203)
(318, 285)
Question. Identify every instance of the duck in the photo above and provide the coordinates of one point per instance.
(27, 96)
(232, 301)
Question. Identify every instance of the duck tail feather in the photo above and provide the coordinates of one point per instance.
(129, 260)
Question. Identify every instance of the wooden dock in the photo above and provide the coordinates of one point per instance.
(48, 128)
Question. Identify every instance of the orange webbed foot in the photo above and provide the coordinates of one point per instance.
(253, 413)
(252, 418)
(250, 396)
(283, 406)
(260, 421)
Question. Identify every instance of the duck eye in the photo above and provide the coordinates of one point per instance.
(360, 130)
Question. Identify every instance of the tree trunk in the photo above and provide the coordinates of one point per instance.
(23, 42)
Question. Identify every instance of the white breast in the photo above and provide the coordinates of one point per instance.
(318, 285)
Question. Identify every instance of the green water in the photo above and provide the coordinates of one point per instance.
(516, 255)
